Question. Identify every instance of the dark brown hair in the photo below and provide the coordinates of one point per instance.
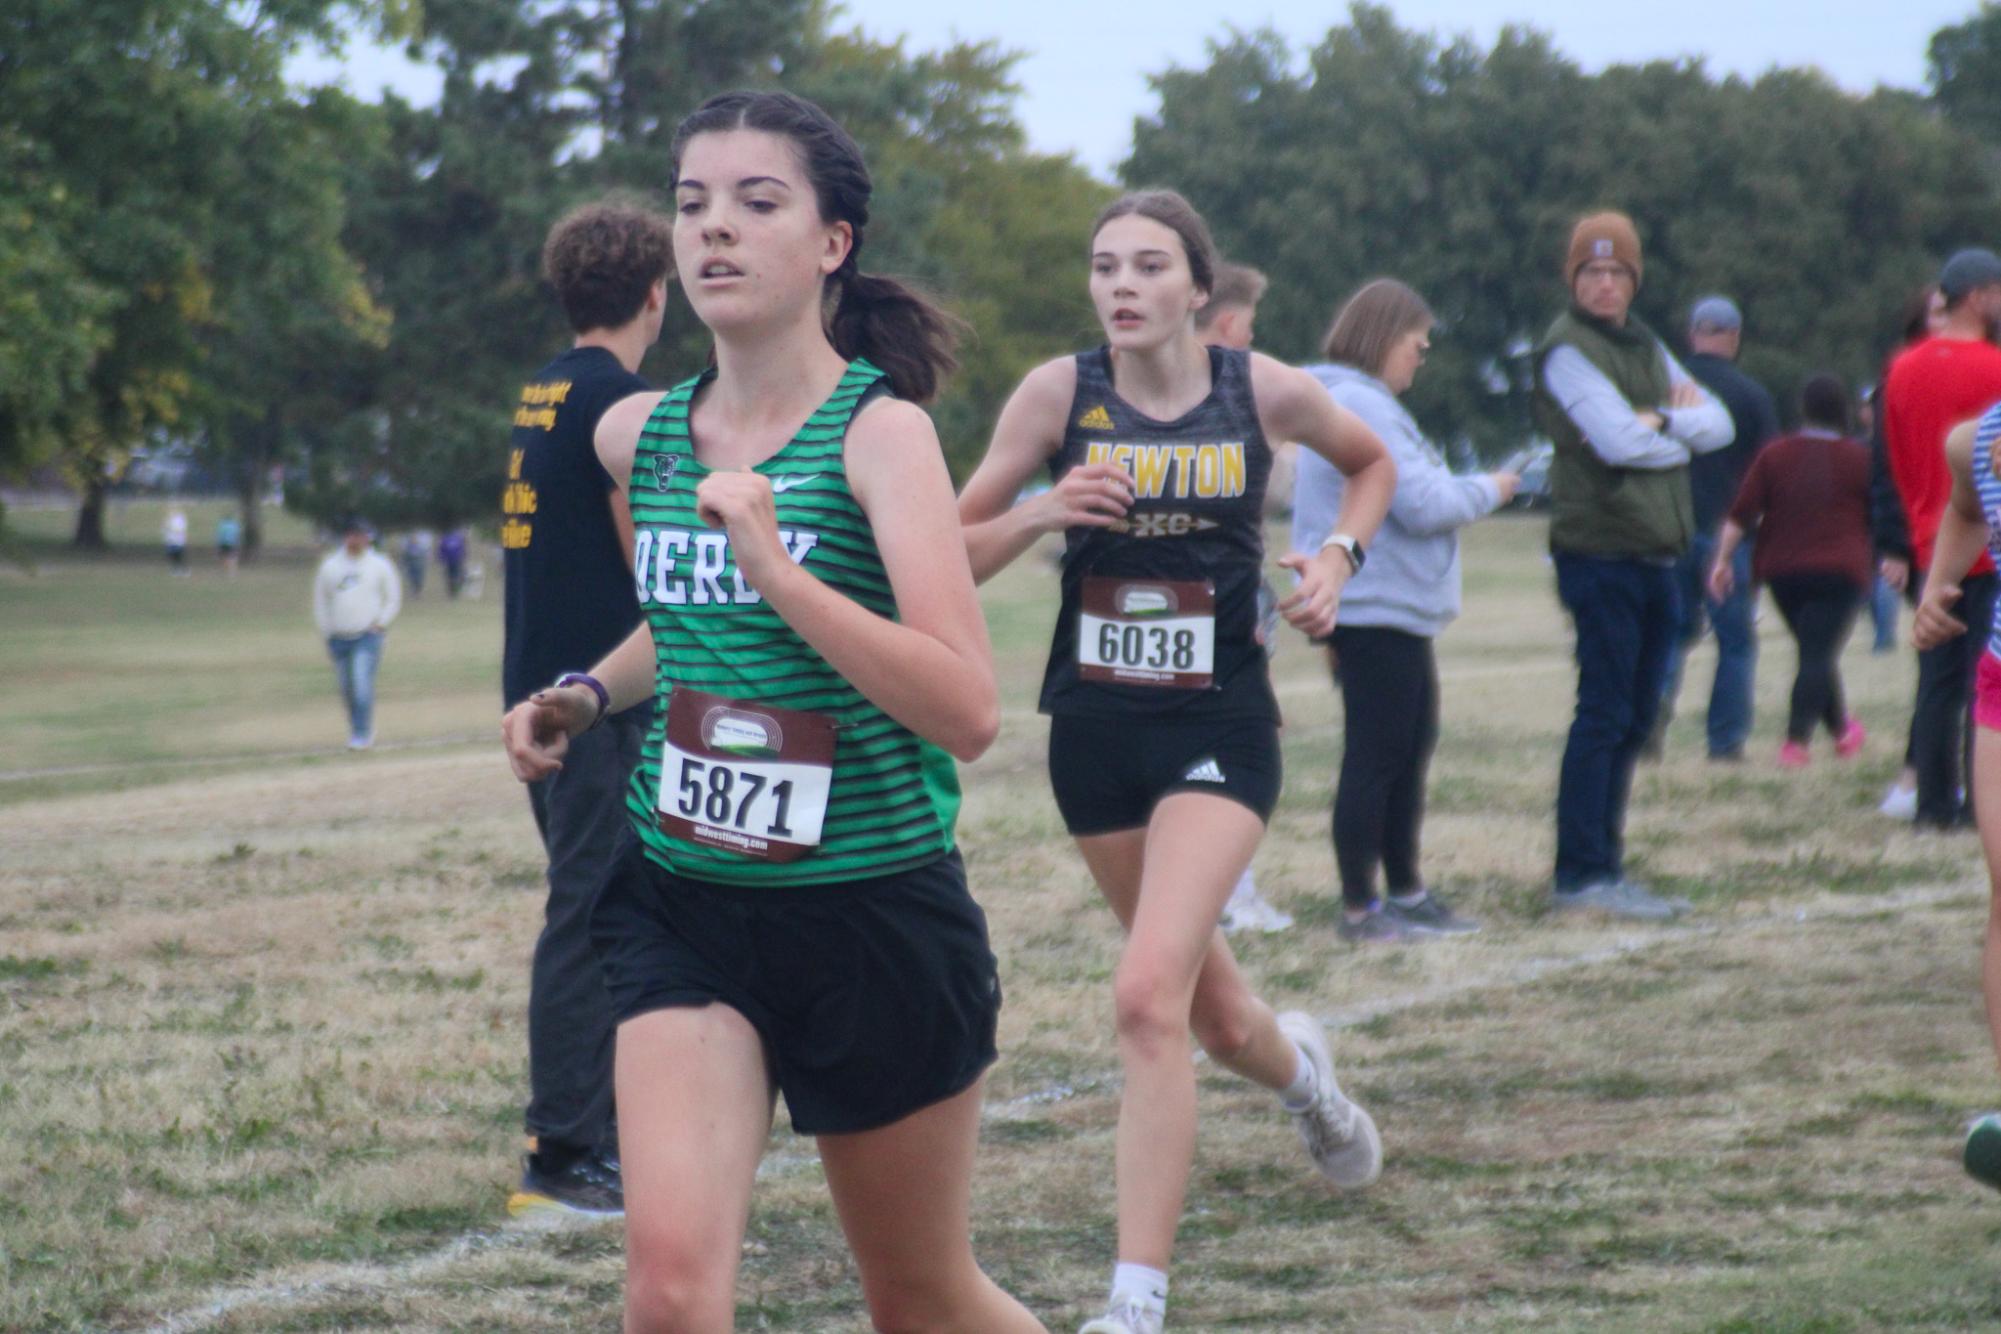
(1370, 322)
(1171, 211)
(604, 258)
(1914, 322)
(1236, 285)
(881, 319)
(1824, 402)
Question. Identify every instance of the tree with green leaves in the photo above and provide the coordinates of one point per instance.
(141, 135)
(1964, 63)
(1460, 171)
(544, 108)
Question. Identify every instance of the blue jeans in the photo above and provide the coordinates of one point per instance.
(1883, 601)
(1729, 719)
(1626, 613)
(354, 661)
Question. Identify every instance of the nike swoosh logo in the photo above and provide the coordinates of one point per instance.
(779, 485)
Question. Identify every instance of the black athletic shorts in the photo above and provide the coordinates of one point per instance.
(875, 998)
(1109, 773)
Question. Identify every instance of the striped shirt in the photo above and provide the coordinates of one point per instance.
(893, 797)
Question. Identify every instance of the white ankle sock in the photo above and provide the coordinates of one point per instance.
(1305, 1086)
(1140, 1284)
(1410, 900)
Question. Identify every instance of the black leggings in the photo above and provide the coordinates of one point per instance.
(1819, 610)
(1389, 690)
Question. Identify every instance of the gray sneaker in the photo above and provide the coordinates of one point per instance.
(1339, 1135)
(1378, 928)
(1429, 916)
(1618, 898)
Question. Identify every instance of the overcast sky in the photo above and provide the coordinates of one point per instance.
(1085, 62)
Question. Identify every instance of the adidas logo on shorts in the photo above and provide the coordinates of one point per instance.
(1203, 771)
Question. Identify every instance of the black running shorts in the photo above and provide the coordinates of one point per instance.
(1109, 773)
(875, 998)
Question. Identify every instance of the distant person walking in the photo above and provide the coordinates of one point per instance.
(1390, 613)
(452, 555)
(174, 537)
(228, 542)
(567, 535)
(416, 555)
(1626, 419)
(355, 597)
(1806, 498)
(1949, 378)
(1715, 334)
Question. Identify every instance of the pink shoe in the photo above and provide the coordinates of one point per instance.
(1851, 738)
(1792, 755)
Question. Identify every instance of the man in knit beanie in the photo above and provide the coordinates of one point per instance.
(1626, 418)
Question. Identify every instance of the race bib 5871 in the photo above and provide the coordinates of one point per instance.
(745, 777)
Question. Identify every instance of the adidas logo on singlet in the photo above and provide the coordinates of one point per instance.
(1203, 771)
(1097, 419)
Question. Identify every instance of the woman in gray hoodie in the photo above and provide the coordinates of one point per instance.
(1407, 591)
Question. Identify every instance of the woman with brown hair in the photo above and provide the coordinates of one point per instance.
(1391, 611)
(1163, 743)
(1806, 497)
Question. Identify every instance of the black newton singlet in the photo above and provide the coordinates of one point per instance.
(1159, 612)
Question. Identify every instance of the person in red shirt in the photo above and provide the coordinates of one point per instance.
(1806, 496)
(1950, 378)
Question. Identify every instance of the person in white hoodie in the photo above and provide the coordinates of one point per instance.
(1381, 648)
(356, 594)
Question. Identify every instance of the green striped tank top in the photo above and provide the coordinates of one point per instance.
(893, 797)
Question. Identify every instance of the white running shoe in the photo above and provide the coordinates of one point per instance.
(1337, 1133)
(1127, 1317)
(1899, 803)
(1248, 910)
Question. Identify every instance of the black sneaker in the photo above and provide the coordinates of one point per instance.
(585, 1187)
(1429, 916)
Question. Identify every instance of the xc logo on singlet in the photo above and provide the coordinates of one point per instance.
(676, 567)
(1176, 524)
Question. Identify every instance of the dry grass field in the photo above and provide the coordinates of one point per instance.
(261, 1050)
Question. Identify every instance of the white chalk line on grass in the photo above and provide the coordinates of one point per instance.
(360, 1278)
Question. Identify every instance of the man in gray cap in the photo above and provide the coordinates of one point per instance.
(1715, 332)
(1933, 386)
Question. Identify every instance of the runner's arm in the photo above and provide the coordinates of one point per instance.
(1292, 405)
(1962, 532)
(537, 731)
(1027, 435)
(617, 441)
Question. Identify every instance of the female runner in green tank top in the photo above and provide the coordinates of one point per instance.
(1163, 743)
(790, 914)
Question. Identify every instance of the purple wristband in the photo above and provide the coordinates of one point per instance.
(597, 688)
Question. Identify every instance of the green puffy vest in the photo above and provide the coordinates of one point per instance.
(1595, 508)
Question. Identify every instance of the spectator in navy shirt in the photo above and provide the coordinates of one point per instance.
(567, 537)
(1715, 334)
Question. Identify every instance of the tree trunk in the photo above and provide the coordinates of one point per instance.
(90, 515)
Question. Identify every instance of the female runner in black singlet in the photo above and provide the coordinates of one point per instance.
(1163, 746)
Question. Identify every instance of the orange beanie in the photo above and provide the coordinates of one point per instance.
(1603, 236)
